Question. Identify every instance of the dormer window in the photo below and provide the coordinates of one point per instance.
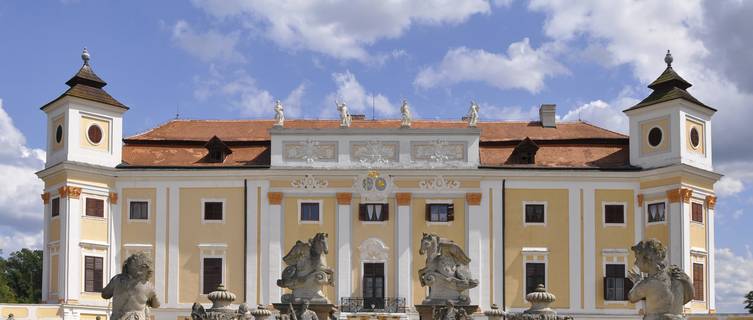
(524, 152)
(218, 150)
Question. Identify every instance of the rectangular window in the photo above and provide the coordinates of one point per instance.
(698, 281)
(310, 211)
(373, 212)
(697, 213)
(616, 286)
(535, 213)
(93, 274)
(212, 211)
(614, 213)
(55, 207)
(95, 207)
(212, 274)
(139, 210)
(535, 275)
(440, 212)
(656, 212)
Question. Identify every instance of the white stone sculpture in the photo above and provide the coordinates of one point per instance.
(345, 118)
(131, 291)
(406, 117)
(279, 114)
(446, 271)
(473, 115)
(666, 289)
(306, 273)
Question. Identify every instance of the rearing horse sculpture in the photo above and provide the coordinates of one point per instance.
(306, 272)
(446, 271)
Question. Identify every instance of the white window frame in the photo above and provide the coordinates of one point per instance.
(613, 256)
(212, 250)
(438, 201)
(105, 206)
(546, 213)
(666, 210)
(60, 207)
(700, 258)
(148, 211)
(604, 205)
(203, 207)
(703, 211)
(321, 211)
(539, 255)
(93, 250)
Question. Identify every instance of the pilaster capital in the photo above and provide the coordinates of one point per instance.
(639, 198)
(679, 194)
(710, 202)
(69, 192)
(344, 197)
(46, 197)
(113, 197)
(473, 198)
(403, 198)
(274, 197)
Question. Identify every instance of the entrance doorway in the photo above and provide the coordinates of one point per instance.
(373, 285)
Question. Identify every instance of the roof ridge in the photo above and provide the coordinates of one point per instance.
(602, 128)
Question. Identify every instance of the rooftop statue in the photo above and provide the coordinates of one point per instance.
(665, 289)
(446, 271)
(306, 273)
(406, 117)
(279, 114)
(473, 115)
(345, 118)
(131, 291)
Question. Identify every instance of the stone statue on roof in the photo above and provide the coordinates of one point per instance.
(406, 115)
(345, 118)
(279, 114)
(473, 114)
(131, 292)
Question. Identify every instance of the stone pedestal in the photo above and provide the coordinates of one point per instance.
(425, 311)
(322, 309)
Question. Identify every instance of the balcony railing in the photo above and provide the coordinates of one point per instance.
(380, 305)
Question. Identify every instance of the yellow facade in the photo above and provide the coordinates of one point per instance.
(664, 146)
(104, 125)
(384, 232)
(691, 124)
(609, 237)
(57, 122)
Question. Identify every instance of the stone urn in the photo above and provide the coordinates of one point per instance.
(220, 309)
(495, 313)
(540, 300)
(261, 312)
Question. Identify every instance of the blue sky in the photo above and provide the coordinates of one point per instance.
(231, 59)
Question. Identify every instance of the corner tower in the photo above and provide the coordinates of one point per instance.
(85, 123)
(670, 126)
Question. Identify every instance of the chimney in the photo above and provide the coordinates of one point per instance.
(547, 113)
(358, 116)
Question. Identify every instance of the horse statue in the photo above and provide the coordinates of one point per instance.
(666, 289)
(306, 272)
(446, 271)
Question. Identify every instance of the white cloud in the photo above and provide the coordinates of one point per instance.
(491, 112)
(728, 186)
(359, 101)
(341, 29)
(734, 278)
(21, 210)
(210, 46)
(522, 67)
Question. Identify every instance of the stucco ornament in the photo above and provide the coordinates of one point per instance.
(306, 273)
(438, 183)
(375, 152)
(446, 271)
(666, 289)
(132, 294)
(309, 182)
(345, 118)
(406, 117)
(473, 115)
(279, 114)
(373, 186)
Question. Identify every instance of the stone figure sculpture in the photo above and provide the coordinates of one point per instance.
(473, 115)
(307, 314)
(666, 289)
(306, 273)
(131, 292)
(446, 271)
(449, 312)
(279, 114)
(406, 117)
(345, 118)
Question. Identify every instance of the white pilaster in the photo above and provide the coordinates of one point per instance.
(252, 205)
(271, 238)
(478, 250)
(173, 247)
(114, 225)
(685, 216)
(160, 248)
(589, 249)
(498, 236)
(574, 247)
(344, 269)
(675, 233)
(73, 269)
(710, 262)
(404, 276)
(46, 251)
(63, 249)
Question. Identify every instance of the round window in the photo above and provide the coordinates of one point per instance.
(695, 138)
(95, 134)
(59, 134)
(654, 136)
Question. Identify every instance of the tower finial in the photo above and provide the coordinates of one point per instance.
(668, 59)
(85, 56)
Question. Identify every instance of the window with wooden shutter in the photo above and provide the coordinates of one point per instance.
(698, 281)
(697, 212)
(656, 212)
(614, 213)
(440, 212)
(213, 210)
(212, 274)
(535, 275)
(95, 207)
(93, 274)
(616, 285)
(373, 212)
(55, 207)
